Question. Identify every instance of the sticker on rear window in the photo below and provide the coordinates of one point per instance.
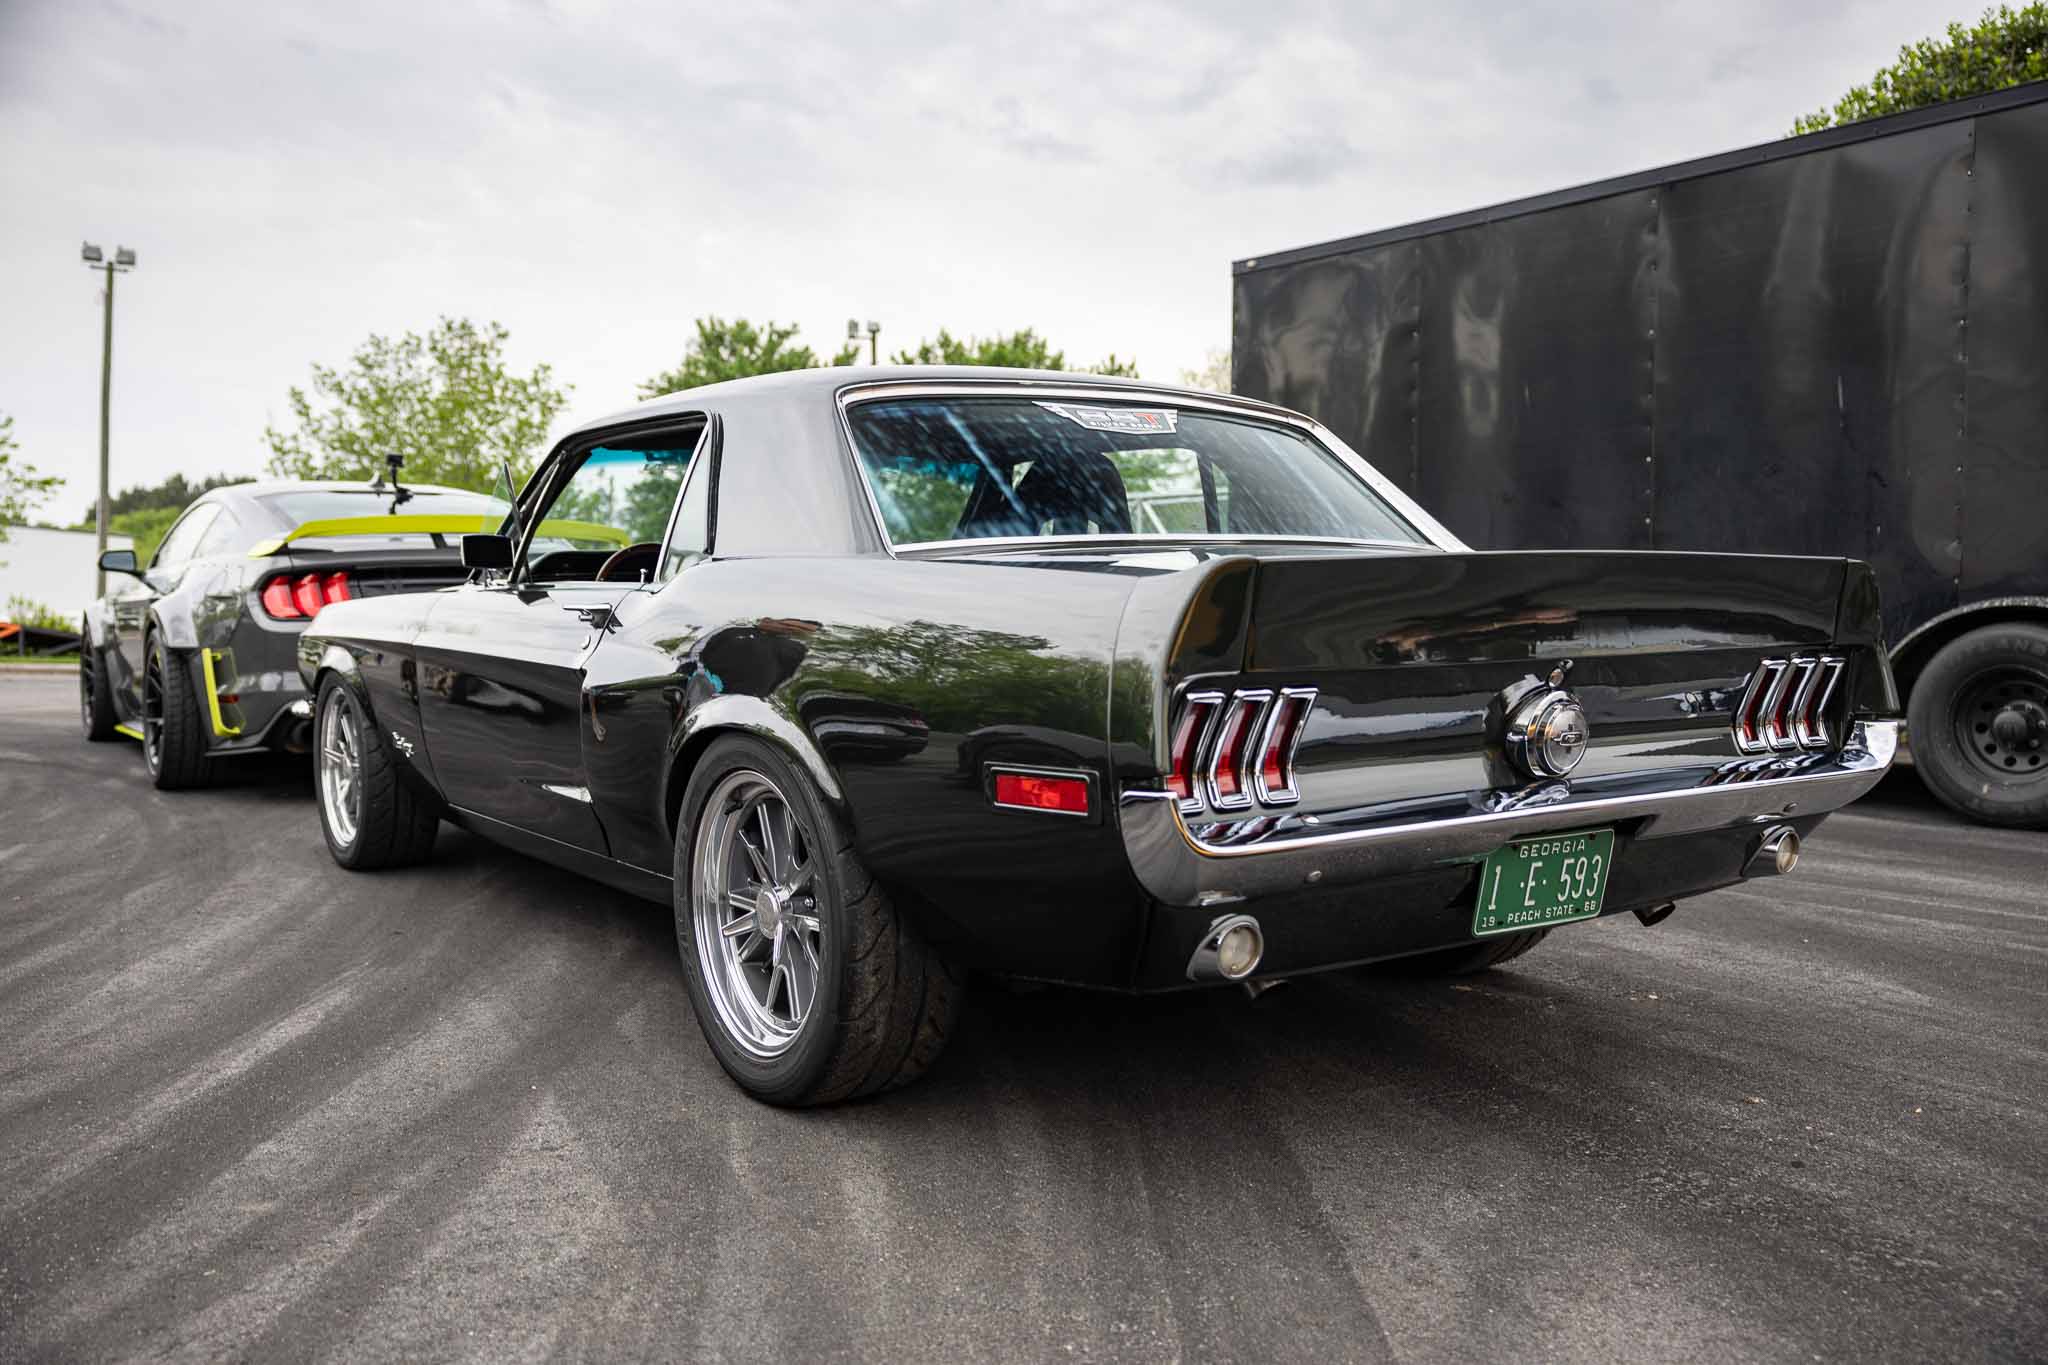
(1131, 421)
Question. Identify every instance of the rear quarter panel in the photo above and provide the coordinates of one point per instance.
(369, 642)
(896, 682)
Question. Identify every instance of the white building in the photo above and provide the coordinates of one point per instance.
(55, 569)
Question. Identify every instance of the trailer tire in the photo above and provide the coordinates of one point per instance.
(1978, 719)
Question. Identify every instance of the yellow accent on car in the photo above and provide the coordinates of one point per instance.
(220, 726)
(129, 730)
(424, 525)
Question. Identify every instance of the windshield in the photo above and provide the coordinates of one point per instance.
(945, 469)
(476, 511)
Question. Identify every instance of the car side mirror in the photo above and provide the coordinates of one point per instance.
(120, 561)
(487, 552)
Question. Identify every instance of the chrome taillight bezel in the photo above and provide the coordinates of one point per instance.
(1784, 705)
(1224, 740)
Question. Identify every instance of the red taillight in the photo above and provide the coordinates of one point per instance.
(1043, 791)
(277, 600)
(1195, 715)
(1227, 760)
(1785, 704)
(299, 599)
(1283, 733)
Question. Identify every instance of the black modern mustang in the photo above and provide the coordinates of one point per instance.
(877, 677)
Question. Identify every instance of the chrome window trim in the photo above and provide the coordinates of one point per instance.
(675, 511)
(1152, 540)
(1291, 793)
(1434, 532)
(1258, 701)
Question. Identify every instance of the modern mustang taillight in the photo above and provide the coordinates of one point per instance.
(1785, 705)
(1229, 751)
(299, 597)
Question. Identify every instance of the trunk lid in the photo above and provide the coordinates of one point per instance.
(1414, 667)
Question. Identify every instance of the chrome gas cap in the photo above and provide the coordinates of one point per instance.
(1547, 733)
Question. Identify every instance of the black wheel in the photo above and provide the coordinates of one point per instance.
(1979, 725)
(371, 815)
(173, 731)
(1467, 958)
(808, 983)
(95, 695)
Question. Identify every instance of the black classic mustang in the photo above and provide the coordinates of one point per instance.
(906, 672)
(195, 654)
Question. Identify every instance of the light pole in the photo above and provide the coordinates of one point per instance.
(874, 338)
(95, 259)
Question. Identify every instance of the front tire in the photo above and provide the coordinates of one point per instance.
(95, 694)
(809, 984)
(173, 731)
(1978, 721)
(371, 816)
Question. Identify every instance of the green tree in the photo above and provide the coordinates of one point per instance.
(2008, 47)
(1023, 350)
(446, 401)
(147, 525)
(1214, 374)
(22, 488)
(175, 492)
(725, 350)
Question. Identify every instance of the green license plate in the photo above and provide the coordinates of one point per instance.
(1549, 880)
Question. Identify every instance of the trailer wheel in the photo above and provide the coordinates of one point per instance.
(1979, 725)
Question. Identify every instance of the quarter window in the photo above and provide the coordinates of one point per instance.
(183, 539)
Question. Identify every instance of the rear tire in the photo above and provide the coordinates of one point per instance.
(1468, 959)
(370, 814)
(1978, 719)
(173, 731)
(95, 695)
(757, 916)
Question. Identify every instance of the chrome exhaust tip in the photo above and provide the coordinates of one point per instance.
(1229, 951)
(1776, 853)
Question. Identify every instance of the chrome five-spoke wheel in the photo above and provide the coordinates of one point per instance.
(754, 898)
(340, 764)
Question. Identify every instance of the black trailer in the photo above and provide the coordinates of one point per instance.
(1835, 344)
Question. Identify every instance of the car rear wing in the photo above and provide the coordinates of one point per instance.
(423, 524)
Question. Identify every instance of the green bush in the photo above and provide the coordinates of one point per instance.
(23, 612)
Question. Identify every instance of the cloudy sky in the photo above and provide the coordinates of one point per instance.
(296, 177)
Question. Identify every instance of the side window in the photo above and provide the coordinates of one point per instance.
(183, 539)
(690, 541)
(222, 538)
(617, 498)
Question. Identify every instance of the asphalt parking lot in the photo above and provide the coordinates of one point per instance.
(252, 1106)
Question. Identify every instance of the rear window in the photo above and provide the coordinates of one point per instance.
(948, 469)
(365, 505)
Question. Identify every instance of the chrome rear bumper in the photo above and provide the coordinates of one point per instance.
(1183, 866)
